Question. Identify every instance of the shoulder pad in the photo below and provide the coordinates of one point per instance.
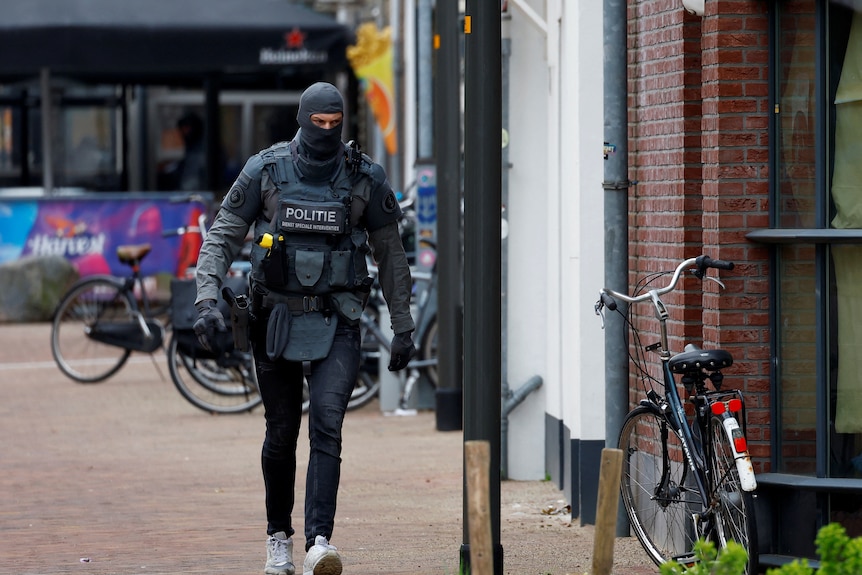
(278, 150)
(373, 170)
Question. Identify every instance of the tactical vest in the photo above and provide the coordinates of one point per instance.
(313, 245)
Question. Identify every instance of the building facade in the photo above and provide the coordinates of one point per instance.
(743, 143)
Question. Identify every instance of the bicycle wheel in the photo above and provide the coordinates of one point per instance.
(734, 507)
(428, 350)
(89, 305)
(210, 386)
(366, 389)
(658, 488)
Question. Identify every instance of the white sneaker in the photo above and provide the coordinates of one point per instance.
(322, 559)
(279, 555)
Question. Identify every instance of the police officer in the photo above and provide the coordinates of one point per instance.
(317, 207)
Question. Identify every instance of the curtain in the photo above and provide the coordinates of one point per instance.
(847, 196)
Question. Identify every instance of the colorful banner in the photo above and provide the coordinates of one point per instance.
(371, 60)
(87, 230)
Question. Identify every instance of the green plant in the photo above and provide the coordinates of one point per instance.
(730, 561)
(839, 555)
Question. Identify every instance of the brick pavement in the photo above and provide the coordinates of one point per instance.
(126, 477)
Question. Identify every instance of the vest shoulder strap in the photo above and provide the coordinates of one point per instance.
(278, 160)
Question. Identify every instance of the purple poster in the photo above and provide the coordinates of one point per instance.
(88, 229)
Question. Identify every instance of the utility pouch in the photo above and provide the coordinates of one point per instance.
(304, 336)
(239, 318)
(349, 305)
(275, 263)
(309, 267)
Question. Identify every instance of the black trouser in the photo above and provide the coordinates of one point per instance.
(330, 383)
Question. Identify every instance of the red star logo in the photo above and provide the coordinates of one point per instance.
(294, 39)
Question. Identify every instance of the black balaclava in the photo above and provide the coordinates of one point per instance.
(318, 145)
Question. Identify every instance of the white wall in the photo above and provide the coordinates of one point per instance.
(528, 302)
(587, 240)
(556, 243)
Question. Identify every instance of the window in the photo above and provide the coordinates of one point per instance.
(249, 122)
(817, 224)
(84, 137)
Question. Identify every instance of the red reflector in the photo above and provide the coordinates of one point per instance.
(718, 408)
(739, 444)
(735, 405)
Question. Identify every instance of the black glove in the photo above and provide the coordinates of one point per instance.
(209, 323)
(402, 351)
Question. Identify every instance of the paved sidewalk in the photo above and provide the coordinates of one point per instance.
(126, 477)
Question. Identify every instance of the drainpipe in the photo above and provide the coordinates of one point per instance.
(616, 186)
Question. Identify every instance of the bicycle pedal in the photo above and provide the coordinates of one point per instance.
(686, 559)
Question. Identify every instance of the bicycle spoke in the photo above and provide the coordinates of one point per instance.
(657, 487)
(88, 309)
(206, 384)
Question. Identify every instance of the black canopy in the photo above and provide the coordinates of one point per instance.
(147, 41)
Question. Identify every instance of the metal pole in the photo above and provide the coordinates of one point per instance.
(482, 252)
(212, 144)
(616, 185)
(47, 132)
(505, 58)
(395, 168)
(425, 96)
(447, 142)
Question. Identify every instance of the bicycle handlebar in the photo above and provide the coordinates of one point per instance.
(701, 263)
(201, 229)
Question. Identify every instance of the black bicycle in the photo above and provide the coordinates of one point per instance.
(220, 381)
(684, 480)
(102, 319)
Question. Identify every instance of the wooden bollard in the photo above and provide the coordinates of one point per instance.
(606, 511)
(478, 456)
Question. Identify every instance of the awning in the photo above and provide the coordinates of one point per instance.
(149, 41)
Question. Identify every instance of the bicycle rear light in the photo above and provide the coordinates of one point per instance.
(739, 443)
(720, 407)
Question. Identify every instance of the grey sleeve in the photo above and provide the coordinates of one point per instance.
(224, 242)
(383, 207)
(394, 275)
(244, 197)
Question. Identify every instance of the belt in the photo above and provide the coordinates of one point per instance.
(296, 304)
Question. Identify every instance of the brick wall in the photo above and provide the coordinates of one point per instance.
(698, 149)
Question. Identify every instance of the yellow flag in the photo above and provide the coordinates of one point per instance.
(371, 60)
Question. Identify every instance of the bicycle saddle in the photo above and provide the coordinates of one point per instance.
(133, 253)
(695, 359)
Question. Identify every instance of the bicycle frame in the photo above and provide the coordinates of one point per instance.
(142, 312)
(672, 410)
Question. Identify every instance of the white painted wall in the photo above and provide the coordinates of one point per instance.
(587, 241)
(556, 243)
(529, 303)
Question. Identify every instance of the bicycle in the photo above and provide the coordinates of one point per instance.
(105, 310)
(216, 382)
(99, 323)
(684, 478)
(223, 381)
